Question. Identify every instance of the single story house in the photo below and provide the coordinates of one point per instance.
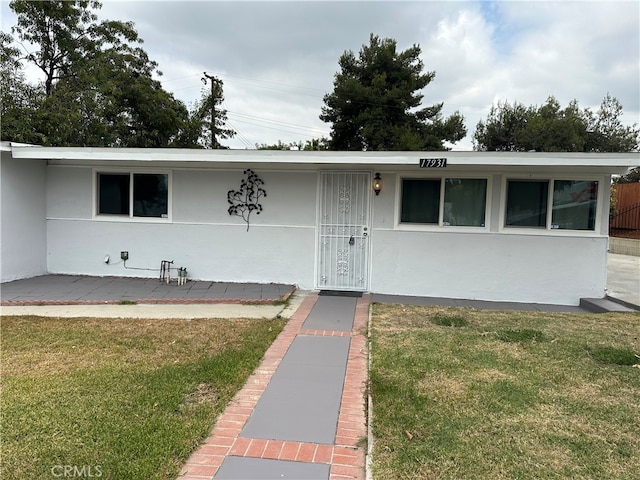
(528, 227)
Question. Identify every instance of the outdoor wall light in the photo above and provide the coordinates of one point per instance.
(377, 183)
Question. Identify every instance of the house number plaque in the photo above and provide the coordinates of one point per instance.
(433, 163)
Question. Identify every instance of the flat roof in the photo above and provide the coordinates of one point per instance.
(337, 158)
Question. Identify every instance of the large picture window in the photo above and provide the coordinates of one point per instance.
(555, 204)
(463, 202)
(133, 194)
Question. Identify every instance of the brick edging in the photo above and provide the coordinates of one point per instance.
(346, 455)
(207, 459)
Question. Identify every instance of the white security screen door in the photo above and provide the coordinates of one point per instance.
(343, 243)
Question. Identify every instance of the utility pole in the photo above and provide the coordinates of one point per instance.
(215, 83)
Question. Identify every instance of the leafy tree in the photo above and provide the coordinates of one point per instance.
(606, 132)
(66, 32)
(112, 101)
(99, 88)
(313, 144)
(18, 99)
(502, 128)
(550, 128)
(375, 102)
(316, 144)
(632, 176)
(280, 146)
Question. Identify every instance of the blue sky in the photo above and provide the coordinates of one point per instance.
(278, 59)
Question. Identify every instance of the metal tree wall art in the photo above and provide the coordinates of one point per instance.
(245, 201)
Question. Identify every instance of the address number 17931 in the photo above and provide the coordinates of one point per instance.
(433, 162)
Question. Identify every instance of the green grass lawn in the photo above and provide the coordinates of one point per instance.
(115, 398)
(466, 394)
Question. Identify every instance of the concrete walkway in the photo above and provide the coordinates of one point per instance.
(301, 414)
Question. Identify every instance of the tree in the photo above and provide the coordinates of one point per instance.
(99, 88)
(317, 144)
(313, 144)
(502, 128)
(606, 132)
(279, 146)
(18, 99)
(111, 101)
(375, 102)
(553, 129)
(632, 176)
(196, 132)
(66, 33)
(549, 128)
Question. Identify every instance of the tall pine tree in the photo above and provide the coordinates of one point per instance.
(375, 104)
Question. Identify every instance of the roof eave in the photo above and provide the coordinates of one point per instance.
(615, 161)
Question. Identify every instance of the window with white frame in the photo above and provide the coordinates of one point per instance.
(465, 202)
(133, 194)
(554, 204)
(458, 202)
(574, 204)
(527, 203)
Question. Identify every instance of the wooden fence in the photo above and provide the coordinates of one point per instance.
(626, 221)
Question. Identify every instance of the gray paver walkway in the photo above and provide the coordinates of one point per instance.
(332, 313)
(79, 289)
(623, 283)
(302, 399)
(301, 414)
(236, 468)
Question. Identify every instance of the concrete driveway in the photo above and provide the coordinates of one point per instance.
(623, 278)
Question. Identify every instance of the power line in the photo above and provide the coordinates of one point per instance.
(242, 138)
(272, 83)
(243, 116)
(292, 128)
(303, 134)
(280, 84)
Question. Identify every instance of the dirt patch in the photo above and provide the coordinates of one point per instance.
(202, 394)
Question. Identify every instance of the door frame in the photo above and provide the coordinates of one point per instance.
(369, 211)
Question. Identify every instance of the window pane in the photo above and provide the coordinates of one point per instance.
(465, 201)
(113, 193)
(420, 201)
(574, 205)
(150, 194)
(527, 203)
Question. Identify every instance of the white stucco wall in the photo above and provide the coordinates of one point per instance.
(500, 267)
(493, 263)
(23, 232)
(280, 246)
(200, 234)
